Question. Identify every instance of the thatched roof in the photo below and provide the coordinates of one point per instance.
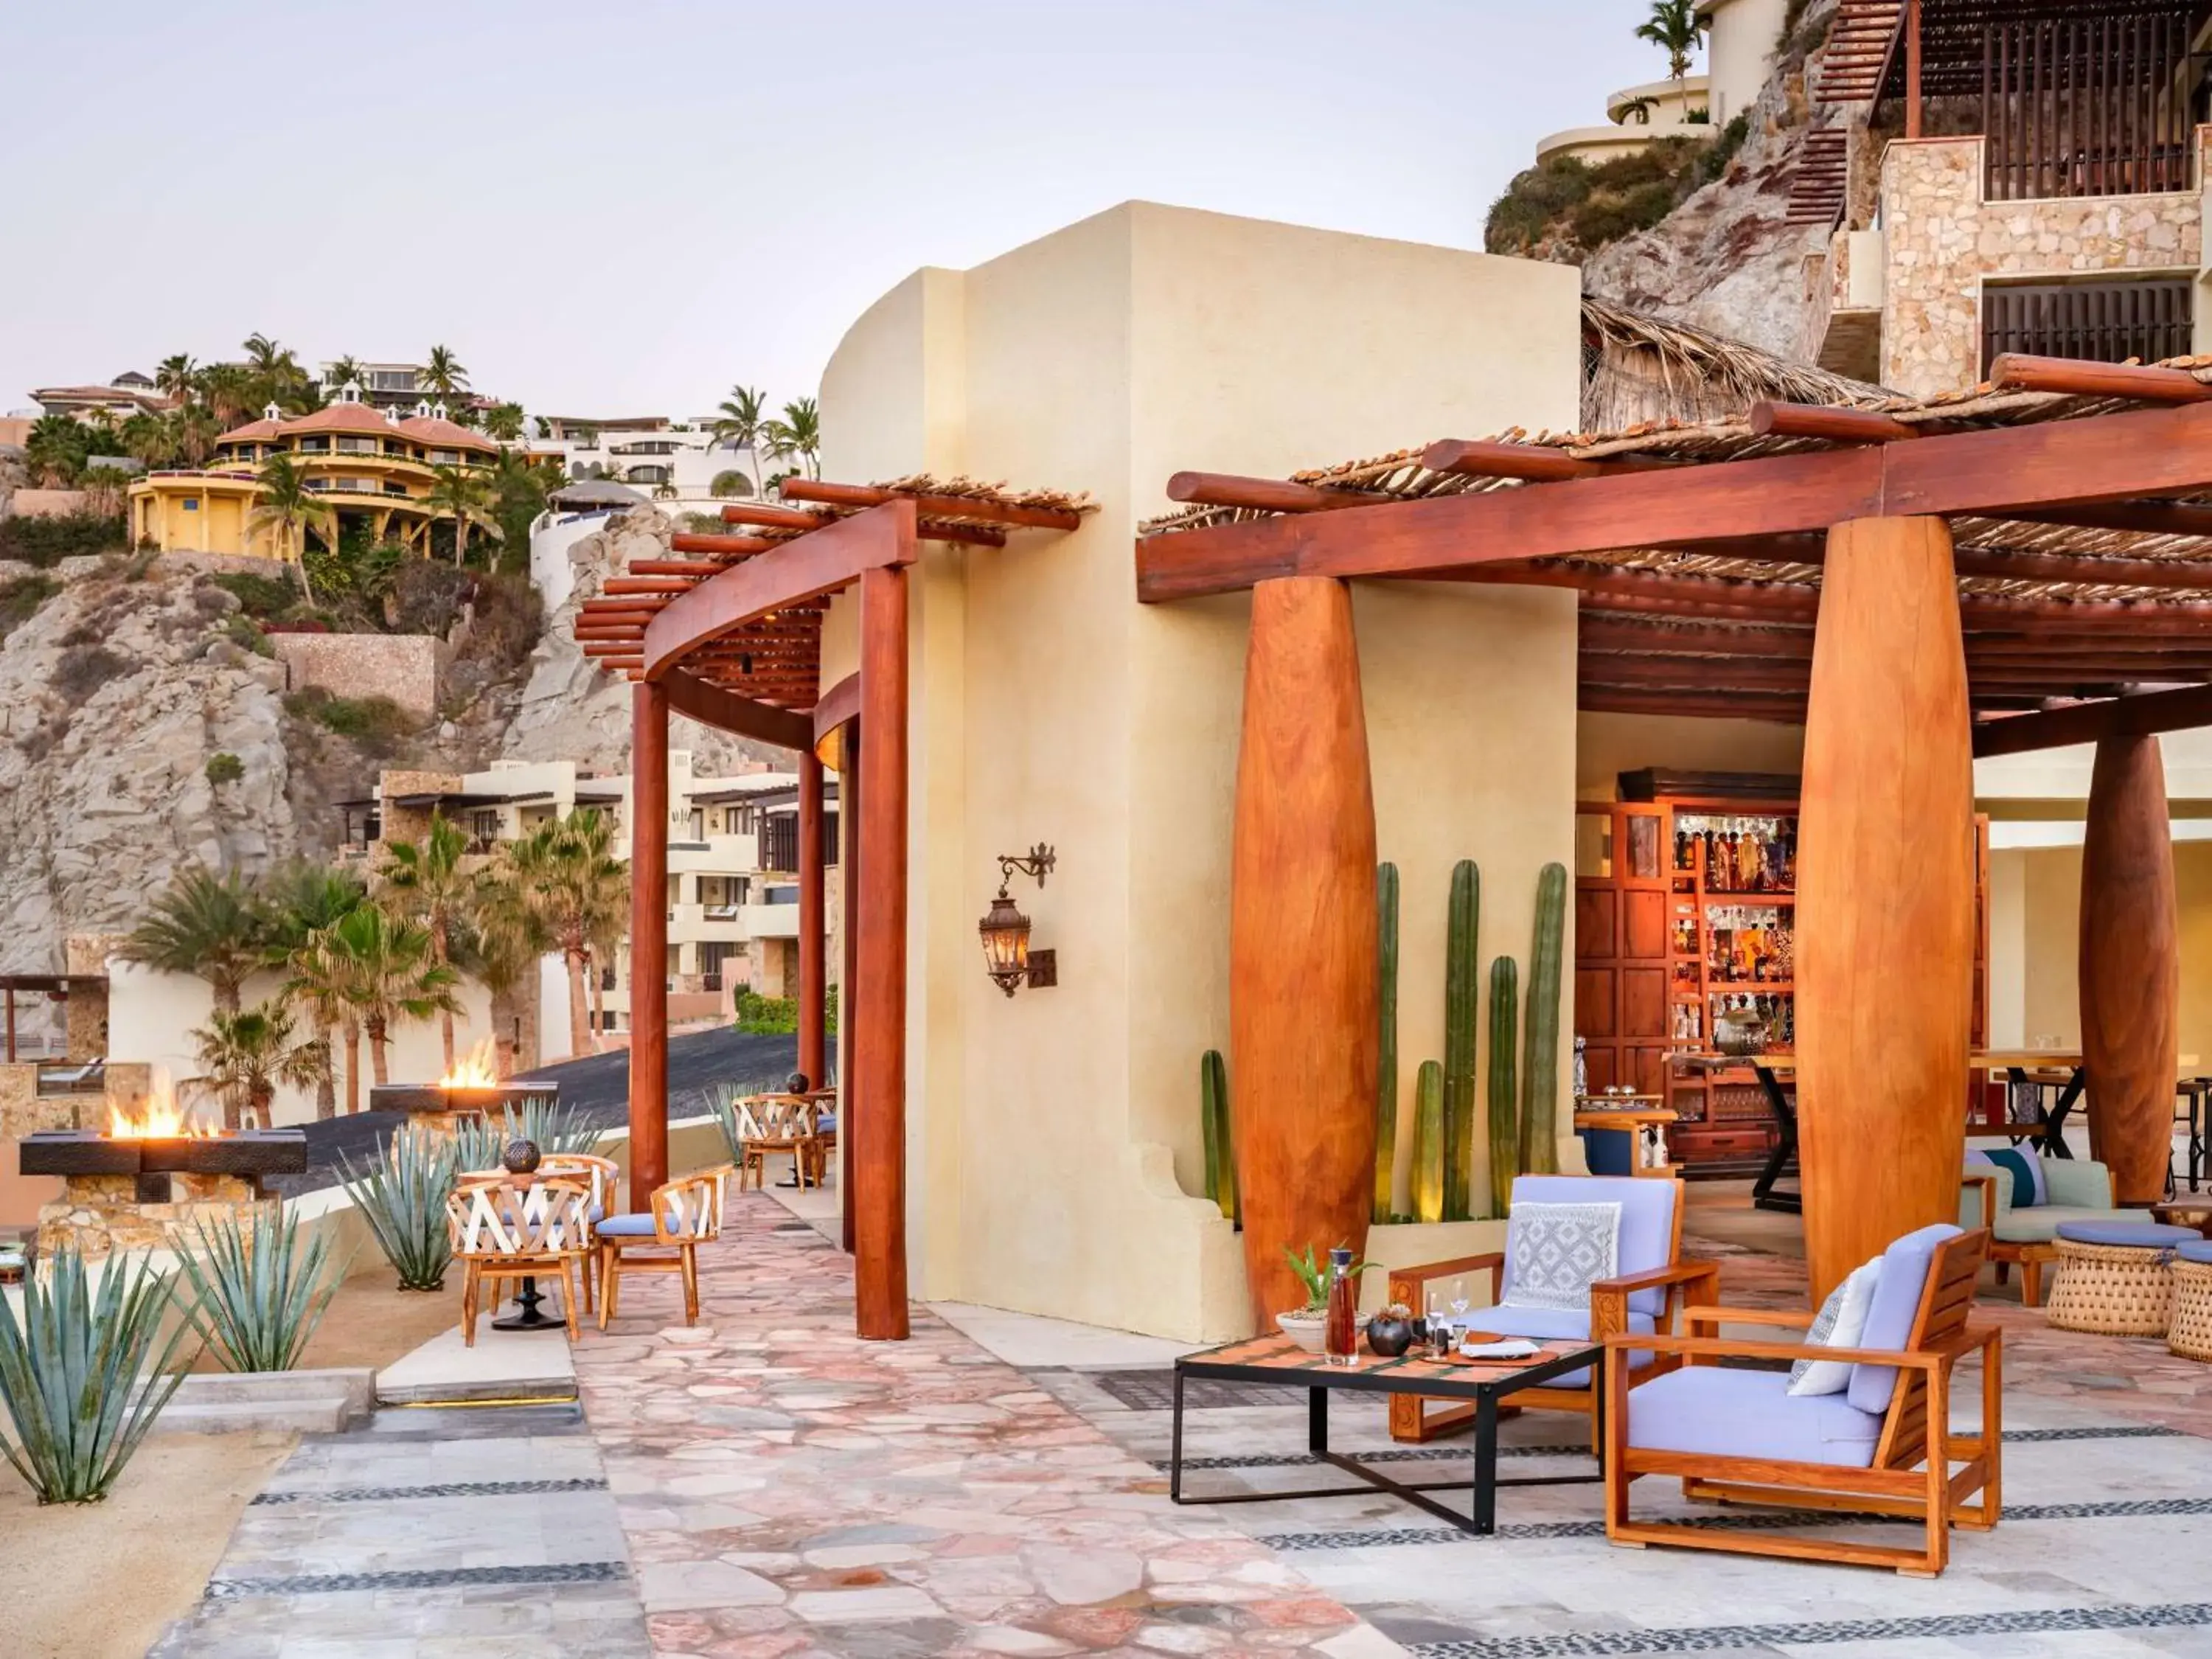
(1639, 369)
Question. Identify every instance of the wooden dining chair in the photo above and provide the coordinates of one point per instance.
(506, 1229)
(601, 1174)
(686, 1214)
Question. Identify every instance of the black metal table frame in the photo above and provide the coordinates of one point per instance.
(1763, 1195)
(2052, 1119)
(1485, 1395)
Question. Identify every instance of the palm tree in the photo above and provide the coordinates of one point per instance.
(150, 439)
(443, 373)
(502, 422)
(56, 448)
(573, 884)
(177, 377)
(739, 423)
(342, 371)
(229, 391)
(387, 975)
(425, 882)
(1675, 28)
(214, 926)
(244, 1056)
(264, 356)
(285, 502)
(511, 936)
(464, 495)
(303, 899)
(799, 434)
(197, 430)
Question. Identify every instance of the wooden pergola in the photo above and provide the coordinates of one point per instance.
(2023, 566)
(729, 633)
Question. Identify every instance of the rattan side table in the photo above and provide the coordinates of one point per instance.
(2115, 1279)
(2190, 1335)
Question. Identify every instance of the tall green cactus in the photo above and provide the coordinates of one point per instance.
(1462, 1008)
(1540, 1063)
(1386, 1069)
(1504, 1145)
(1213, 1106)
(1429, 1142)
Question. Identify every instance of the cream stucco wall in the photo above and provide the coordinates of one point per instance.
(1740, 52)
(1609, 744)
(1054, 1135)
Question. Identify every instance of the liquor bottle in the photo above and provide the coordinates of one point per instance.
(1683, 860)
(1341, 1337)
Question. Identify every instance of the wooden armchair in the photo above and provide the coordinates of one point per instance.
(601, 1174)
(503, 1228)
(685, 1214)
(771, 1124)
(1883, 1446)
(1654, 1284)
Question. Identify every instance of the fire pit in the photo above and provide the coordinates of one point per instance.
(469, 1090)
(131, 1187)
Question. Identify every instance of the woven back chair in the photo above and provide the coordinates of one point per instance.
(512, 1228)
(602, 1173)
(685, 1214)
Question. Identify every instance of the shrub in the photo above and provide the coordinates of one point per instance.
(47, 542)
(731, 484)
(376, 723)
(403, 1195)
(83, 669)
(258, 597)
(70, 1374)
(427, 597)
(772, 1015)
(223, 766)
(20, 599)
(1714, 161)
(1534, 203)
(246, 637)
(257, 1296)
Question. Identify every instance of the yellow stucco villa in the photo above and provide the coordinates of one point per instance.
(372, 465)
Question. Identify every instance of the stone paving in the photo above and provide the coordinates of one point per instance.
(786, 1489)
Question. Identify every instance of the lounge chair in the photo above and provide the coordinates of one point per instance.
(1883, 1446)
(1649, 1284)
(2073, 1190)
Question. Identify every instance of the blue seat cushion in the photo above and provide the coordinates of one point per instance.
(826, 1124)
(1727, 1412)
(1554, 1325)
(626, 1226)
(2197, 1249)
(1896, 1306)
(596, 1214)
(2145, 1235)
(1646, 1237)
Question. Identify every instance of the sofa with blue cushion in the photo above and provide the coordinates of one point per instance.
(1882, 1444)
(2075, 1189)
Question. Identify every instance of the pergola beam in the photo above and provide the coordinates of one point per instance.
(1265, 494)
(1011, 515)
(2122, 717)
(1530, 463)
(1995, 473)
(2014, 371)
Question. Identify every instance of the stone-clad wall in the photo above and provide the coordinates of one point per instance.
(403, 667)
(1944, 241)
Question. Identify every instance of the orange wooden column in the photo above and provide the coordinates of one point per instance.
(878, 1163)
(1303, 986)
(849, 1085)
(649, 943)
(813, 968)
(2130, 967)
(1885, 897)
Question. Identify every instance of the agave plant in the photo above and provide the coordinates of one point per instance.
(257, 1294)
(542, 1120)
(403, 1195)
(70, 1373)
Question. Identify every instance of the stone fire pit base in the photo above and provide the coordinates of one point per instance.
(100, 1214)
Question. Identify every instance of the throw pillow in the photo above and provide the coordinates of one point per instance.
(2025, 1169)
(1840, 1323)
(1556, 1252)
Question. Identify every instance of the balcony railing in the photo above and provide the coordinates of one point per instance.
(2101, 322)
(2088, 105)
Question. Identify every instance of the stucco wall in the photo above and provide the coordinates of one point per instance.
(46, 503)
(1944, 241)
(1740, 52)
(403, 667)
(1055, 1135)
(1609, 744)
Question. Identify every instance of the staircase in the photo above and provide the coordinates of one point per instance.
(1859, 48)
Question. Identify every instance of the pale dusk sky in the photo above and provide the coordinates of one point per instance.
(622, 209)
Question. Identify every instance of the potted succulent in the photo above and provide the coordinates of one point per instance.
(1308, 1327)
(1391, 1332)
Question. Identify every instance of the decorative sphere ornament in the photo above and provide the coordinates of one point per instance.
(521, 1157)
(797, 1083)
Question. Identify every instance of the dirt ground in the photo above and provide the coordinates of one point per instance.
(370, 1322)
(103, 1581)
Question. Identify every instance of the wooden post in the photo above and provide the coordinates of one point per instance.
(813, 968)
(2130, 967)
(849, 1085)
(878, 1161)
(1885, 897)
(649, 943)
(1302, 987)
(1912, 69)
(11, 1026)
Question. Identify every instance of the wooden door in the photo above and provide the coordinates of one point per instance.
(1621, 896)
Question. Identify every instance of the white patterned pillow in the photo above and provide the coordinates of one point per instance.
(1839, 1324)
(1557, 1251)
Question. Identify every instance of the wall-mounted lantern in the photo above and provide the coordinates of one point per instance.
(1006, 930)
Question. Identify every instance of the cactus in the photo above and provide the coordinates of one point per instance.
(1504, 1145)
(1213, 1105)
(1429, 1142)
(1386, 1069)
(1463, 1007)
(1540, 1062)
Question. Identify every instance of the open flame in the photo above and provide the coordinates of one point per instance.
(160, 1119)
(476, 1069)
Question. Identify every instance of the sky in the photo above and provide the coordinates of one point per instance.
(625, 208)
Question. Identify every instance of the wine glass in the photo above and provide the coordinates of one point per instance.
(1459, 1305)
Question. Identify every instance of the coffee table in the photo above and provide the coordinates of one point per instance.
(1277, 1359)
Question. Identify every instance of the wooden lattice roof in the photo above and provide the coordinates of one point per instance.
(775, 658)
